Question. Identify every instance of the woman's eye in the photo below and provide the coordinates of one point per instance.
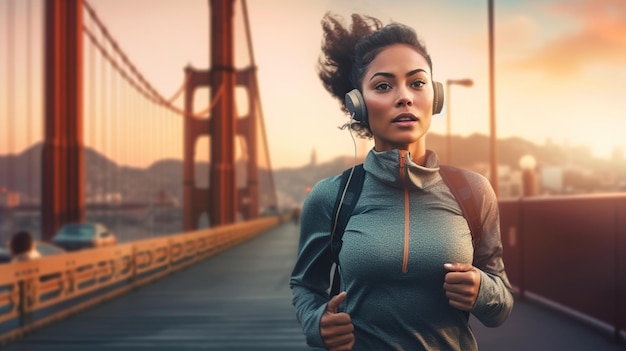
(382, 86)
(418, 83)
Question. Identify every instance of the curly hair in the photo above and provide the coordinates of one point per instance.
(347, 52)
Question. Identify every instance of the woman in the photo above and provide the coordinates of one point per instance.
(410, 274)
(22, 247)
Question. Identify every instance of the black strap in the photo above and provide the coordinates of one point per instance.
(350, 189)
(342, 215)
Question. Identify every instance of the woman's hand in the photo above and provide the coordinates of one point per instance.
(461, 284)
(336, 327)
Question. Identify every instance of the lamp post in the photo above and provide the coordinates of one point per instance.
(493, 155)
(466, 82)
(528, 163)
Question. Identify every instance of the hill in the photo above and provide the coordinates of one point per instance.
(138, 184)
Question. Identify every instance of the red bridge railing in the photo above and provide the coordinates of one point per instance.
(570, 253)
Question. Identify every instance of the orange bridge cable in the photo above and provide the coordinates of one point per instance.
(29, 114)
(204, 112)
(115, 46)
(92, 93)
(257, 97)
(163, 132)
(102, 120)
(157, 99)
(117, 67)
(136, 109)
(124, 129)
(156, 96)
(10, 84)
(180, 90)
(258, 105)
(259, 114)
(248, 31)
(113, 137)
(155, 152)
(124, 57)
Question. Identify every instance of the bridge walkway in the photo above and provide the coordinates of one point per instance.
(240, 300)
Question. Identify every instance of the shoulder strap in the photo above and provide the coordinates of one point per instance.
(460, 188)
(349, 190)
(347, 197)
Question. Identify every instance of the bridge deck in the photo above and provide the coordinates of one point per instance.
(240, 300)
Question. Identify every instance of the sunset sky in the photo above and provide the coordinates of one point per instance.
(560, 65)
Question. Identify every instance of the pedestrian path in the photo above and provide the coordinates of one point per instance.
(240, 300)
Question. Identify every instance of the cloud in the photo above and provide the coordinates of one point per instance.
(516, 33)
(599, 39)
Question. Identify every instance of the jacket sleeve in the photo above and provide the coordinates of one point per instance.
(310, 278)
(495, 298)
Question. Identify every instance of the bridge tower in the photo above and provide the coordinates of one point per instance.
(63, 166)
(222, 200)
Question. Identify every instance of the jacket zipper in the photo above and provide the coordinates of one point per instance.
(407, 221)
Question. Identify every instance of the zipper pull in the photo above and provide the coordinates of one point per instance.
(402, 163)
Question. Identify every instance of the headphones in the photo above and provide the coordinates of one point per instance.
(356, 104)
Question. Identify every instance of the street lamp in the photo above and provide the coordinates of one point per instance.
(493, 144)
(528, 163)
(462, 82)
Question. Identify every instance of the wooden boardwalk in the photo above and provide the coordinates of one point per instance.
(240, 300)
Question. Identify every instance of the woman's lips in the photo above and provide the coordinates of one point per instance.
(405, 120)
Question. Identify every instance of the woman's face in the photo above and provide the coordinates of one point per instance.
(398, 94)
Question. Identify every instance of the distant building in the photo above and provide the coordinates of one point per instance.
(9, 198)
(552, 179)
(105, 198)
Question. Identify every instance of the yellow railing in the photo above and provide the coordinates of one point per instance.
(28, 287)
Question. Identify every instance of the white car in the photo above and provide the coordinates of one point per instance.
(76, 236)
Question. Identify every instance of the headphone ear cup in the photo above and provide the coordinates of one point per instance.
(437, 97)
(356, 105)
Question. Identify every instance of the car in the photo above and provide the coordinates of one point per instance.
(76, 236)
(5, 255)
(45, 249)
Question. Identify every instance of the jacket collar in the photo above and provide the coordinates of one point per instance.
(386, 167)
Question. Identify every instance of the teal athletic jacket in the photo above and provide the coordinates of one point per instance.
(405, 226)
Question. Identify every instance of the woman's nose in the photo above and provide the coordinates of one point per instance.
(404, 98)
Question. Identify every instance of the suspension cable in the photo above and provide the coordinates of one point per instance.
(29, 113)
(10, 83)
(143, 86)
(257, 99)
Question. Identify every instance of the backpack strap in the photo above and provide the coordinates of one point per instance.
(349, 190)
(347, 197)
(459, 186)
